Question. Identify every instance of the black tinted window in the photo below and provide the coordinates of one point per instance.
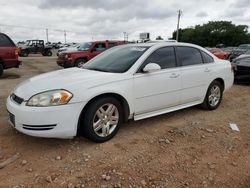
(5, 41)
(165, 57)
(207, 58)
(189, 56)
(112, 45)
(100, 46)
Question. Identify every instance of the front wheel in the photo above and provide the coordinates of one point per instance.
(102, 119)
(214, 96)
(25, 53)
(80, 62)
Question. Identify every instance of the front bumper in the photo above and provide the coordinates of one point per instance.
(65, 63)
(49, 122)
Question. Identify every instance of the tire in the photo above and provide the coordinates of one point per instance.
(213, 97)
(25, 53)
(80, 62)
(49, 53)
(103, 131)
(1, 70)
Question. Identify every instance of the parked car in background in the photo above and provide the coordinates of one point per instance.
(35, 46)
(8, 53)
(134, 81)
(85, 52)
(241, 65)
(219, 53)
(71, 48)
(56, 45)
(239, 51)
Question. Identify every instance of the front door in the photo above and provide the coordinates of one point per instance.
(161, 89)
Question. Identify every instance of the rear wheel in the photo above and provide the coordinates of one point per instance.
(1, 70)
(213, 97)
(102, 119)
(49, 53)
(80, 62)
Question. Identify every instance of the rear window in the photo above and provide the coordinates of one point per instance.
(5, 41)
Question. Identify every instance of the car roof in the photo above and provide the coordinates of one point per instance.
(162, 44)
(108, 41)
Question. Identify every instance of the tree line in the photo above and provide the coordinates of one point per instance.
(214, 33)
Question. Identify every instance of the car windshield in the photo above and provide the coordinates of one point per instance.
(85, 46)
(116, 60)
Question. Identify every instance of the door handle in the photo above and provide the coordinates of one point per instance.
(207, 70)
(174, 75)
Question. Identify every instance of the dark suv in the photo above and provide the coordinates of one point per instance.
(35, 46)
(8, 54)
(85, 52)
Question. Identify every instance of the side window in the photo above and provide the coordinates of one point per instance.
(5, 41)
(207, 58)
(165, 57)
(189, 56)
(112, 44)
(100, 46)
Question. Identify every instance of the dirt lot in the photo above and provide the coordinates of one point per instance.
(188, 148)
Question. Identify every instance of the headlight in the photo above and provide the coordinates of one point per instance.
(50, 98)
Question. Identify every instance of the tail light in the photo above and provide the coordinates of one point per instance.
(17, 52)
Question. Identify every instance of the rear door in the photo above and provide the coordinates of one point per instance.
(196, 74)
(7, 51)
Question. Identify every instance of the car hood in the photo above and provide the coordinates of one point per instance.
(70, 79)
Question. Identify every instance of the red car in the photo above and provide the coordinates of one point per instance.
(8, 54)
(85, 52)
(219, 53)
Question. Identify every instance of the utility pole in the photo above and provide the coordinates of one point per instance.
(178, 25)
(47, 34)
(124, 36)
(65, 37)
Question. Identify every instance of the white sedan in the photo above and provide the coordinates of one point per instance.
(126, 82)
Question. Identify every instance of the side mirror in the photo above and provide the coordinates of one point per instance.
(92, 50)
(151, 67)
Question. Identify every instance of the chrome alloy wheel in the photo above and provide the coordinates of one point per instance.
(105, 120)
(215, 95)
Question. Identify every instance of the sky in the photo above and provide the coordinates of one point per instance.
(88, 20)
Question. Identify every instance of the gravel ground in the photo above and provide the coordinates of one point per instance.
(187, 148)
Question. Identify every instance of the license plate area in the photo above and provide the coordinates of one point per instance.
(12, 119)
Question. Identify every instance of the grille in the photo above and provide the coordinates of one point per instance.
(17, 99)
(39, 127)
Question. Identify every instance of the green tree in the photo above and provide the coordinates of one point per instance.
(215, 32)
